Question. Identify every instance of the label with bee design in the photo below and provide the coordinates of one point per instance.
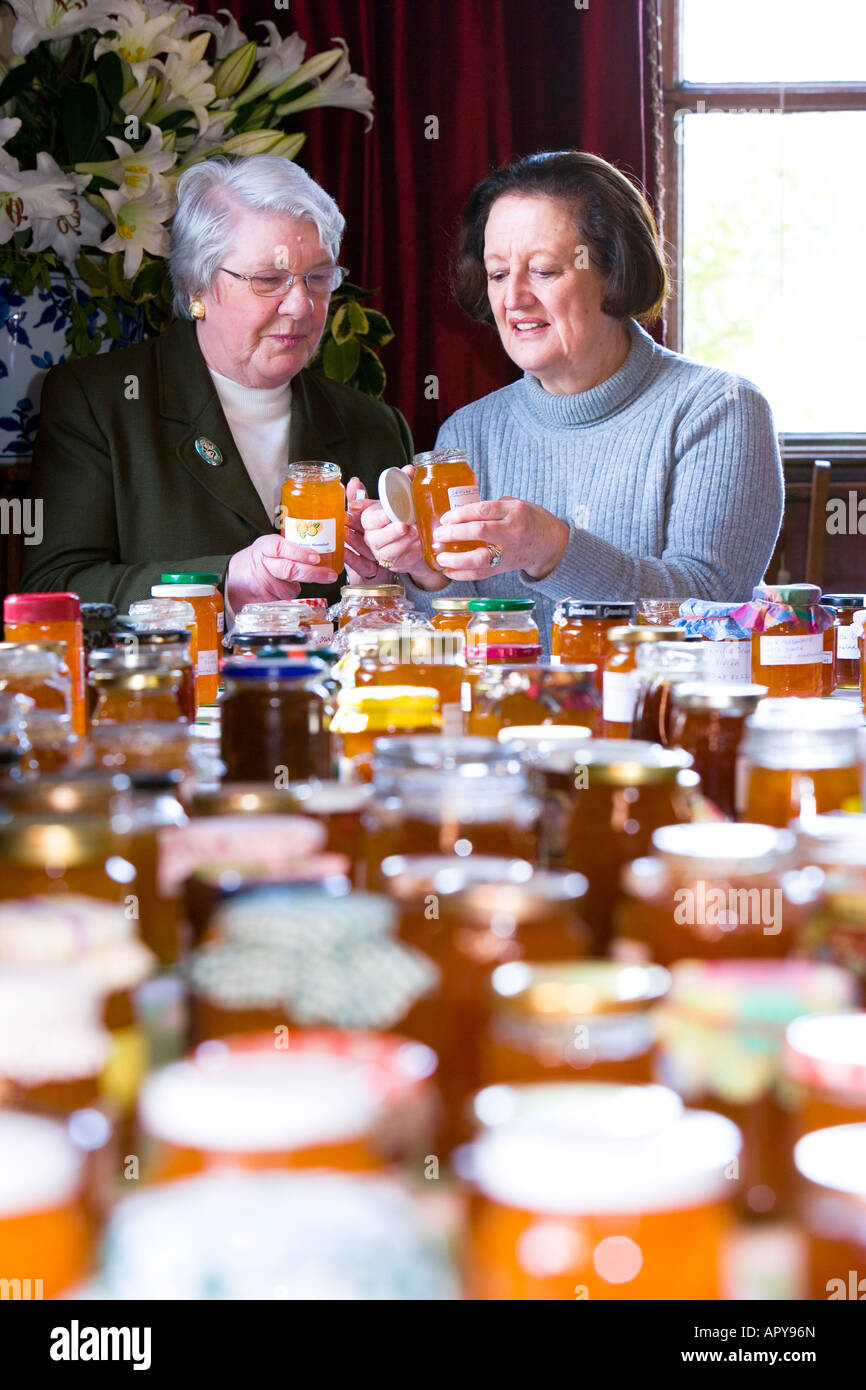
(319, 534)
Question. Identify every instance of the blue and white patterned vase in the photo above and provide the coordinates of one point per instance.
(33, 339)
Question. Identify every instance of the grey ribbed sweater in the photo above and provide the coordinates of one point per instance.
(668, 474)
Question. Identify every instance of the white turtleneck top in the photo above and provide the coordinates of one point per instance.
(259, 419)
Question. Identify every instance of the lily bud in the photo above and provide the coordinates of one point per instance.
(289, 146)
(308, 72)
(231, 74)
(253, 142)
(139, 100)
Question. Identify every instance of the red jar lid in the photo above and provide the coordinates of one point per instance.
(42, 608)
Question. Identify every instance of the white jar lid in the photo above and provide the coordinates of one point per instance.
(182, 590)
(39, 1166)
(834, 1158)
(395, 495)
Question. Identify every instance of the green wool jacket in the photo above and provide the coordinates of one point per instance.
(126, 495)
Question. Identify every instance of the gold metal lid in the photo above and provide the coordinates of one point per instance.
(58, 648)
(562, 990)
(83, 793)
(645, 632)
(37, 842)
(244, 799)
(450, 605)
(371, 590)
(729, 697)
(162, 678)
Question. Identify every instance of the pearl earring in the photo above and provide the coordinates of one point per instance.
(196, 308)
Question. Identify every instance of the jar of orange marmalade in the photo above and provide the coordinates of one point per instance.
(711, 889)
(173, 650)
(443, 481)
(203, 577)
(621, 792)
(533, 694)
(386, 601)
(45, 1237)
(371, 713)
(585, 1021)
(799, 758)
(450, 614)
(619, 678)
(501, 632)
(37, 670)
(825, 1065)
(709, 721)
(313, 510)
(660, 666)
(581, 629)
(788, 627)
(412, 656)
(598, 1191)
(831, 1167)
(52, 618)
(207, 648)
(847, 649)
(150, 692)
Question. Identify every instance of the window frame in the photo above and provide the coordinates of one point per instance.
(680, 96)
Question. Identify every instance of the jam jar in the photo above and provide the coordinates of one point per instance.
(727, 645)
(581, 629)
(386, 601)
(144, 746)
(267, 845)
(847, 649)
(660, 666)
(831, 1168)
(64, 853)
(412, 656)
(799, 758)
(622, 791)
(450, 614)
(824, 1063)
(150, 693)
(443, 481)
(598, 1191)
(171, 648)
(708, 720)
(787, 624)
(340, 807)
(52, 618)
(273, 721)
(586, 1021)
(467, 916)
(202, 597)
(282, 618)
(619, 677)
(550, 695)
(45, 1235)
(37, 670)
(722, 1032)
(711, 889)
(210, 577)
(313, 510)
(501, 631)
(371, 714)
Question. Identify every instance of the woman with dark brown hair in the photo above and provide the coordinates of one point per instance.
(614, 468)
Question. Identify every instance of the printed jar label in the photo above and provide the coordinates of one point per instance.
(221, 623)
(846, 642)
(463, 496)
(727, 661)
(207, 664)
(320, 534)
(807, 649)
(618, 696)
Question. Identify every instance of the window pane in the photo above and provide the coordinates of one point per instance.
(774, 212)
(773, 41)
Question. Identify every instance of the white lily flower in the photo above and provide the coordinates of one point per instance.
(8, 57)
(203, 144)
(185, 88)
(68, 233)
(279, 59)
(341, 87)
(9, 126)
(140, 36)
(133, 169)
(139, 99)
(29, 194)
(56, 19)
(140, 224)
(229, 36)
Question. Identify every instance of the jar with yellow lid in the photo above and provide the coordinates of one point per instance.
(581, 629)
(151, 693)
(274, 721)
(37, 670)
(831, 1168)
(709, 890)
(597, 1191)
(788, 627)
(468, 915)
(370, 713)
(590, 1020)
(619, 677)
(411, 656)
(387, 601)
(533, 694)
(799, 758)
(621, 792)
(46, 1237)
(708, 720)
(450, 614)
(659, 668)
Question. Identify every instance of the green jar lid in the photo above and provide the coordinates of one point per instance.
(494, 605)
(191, 577)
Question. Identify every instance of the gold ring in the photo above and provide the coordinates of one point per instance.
(495, 554)
(389, 564)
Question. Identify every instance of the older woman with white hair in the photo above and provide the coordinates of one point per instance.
(170, 455)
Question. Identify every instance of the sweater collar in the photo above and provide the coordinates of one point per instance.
(589, 407)
(251, 404)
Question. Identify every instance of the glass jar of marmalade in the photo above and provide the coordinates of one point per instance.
(727, 645)
(443, 481)
(370, 714)
(619, 677)
(37, 670)
(149, 693)
(709, 721)
(657, 612)
(340, 808)
(788, 625)
(412, 656)
(43, 1224)
(273, 721)
(533, 694)
(598, 1191)
(722, 1031)
(831, 1168)
(847, 649)
(386, 601)
(581, 629)
(501, 632)
(52, 618)
(144, 747)
(207, 643)
(660, 666)
(621, 792)
(798, 758)
(588, 1021)
(824, 1063)
(450, 614)
(51, 744)
(203, 577)
(172, 649)
(711, 889)
(467, 916)
(313, 510)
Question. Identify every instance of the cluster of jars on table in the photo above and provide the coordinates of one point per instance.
(422, 967)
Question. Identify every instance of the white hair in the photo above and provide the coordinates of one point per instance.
(210, 193)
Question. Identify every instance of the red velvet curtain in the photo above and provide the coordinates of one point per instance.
(501, 79)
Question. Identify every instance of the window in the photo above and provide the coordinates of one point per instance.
(765, 201)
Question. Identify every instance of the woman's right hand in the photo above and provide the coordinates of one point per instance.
(399, 544)
(272, 568)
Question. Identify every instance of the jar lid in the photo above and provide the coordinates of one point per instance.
(729, 697)
(91, 791)
(407, 875)
(834, 1158)
(725, 847)
(313, 468)
(793, 595)
(599, 611)
(575, 989)
(162, 679)
(32, 658)
(505, 605)
(191, 577)
(442, 753)
(59, 841)
(803, 734)
(262, 842)
(620, 762)
(844, 600)
(450, 605)
(372, 591)
(243, 799)
(181, 591)
(598, 1109)
(162, 637)
(94, 613)
(646, 632)
(267, 670)
(40, 1168)
(793, 714)
(66, 928)
(403, 646)
(269, 643)
(522, 738)
(368, 708)
(164, 613)
(50, 1025)
(839, 837)
(828, 1051)
(395, 495)
(287, 914)
(328, 798)
(42, 608)
(752, 993)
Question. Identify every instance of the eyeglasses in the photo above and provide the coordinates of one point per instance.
(276, 284)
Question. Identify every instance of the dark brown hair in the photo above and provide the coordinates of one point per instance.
(611, 216)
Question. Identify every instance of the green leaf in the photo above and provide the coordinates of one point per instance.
(357, 318)
(176, 119)
(80, 110)
(93, 273)
(16, 80)
(115, 275)
(341, 327)
(341, 359)
(109, 70)
(379, 331)
(148, 280)
(371, 378)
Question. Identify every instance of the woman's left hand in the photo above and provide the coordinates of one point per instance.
(529, 538)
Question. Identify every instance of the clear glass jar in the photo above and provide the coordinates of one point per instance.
(619, 677)
(657, 612)
(51, 745)
(143, 747)
(372, 714)
(387, 601)
(273, 721)
(709, 721)
(847, 649)
(522, 695)
(152, 693)
(831, 1164)
(727, 644)
(39, 671)
(581, 629)
(313, 510)
(798, 758)
(450, 614)
(824, 1063)
(202, 598)
(502, 632)
(56, 618)
(171, 648)
(43, 1224)
(407, 657)
(443, 481)
(659, 667)
(283, 618)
